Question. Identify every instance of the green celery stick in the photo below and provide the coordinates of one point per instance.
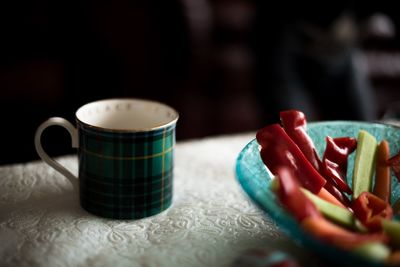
(373, 251)
(392, 229)
(364, 164)
(333, 212)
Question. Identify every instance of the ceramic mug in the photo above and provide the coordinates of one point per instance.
(125, 154)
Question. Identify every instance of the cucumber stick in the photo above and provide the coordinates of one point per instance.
(374, 251)
(331, 211)
(392, 229)
(364, 164)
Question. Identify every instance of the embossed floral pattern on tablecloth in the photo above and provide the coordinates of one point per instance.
(210, 223)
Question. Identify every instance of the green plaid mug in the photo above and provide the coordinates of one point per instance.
(125, 154)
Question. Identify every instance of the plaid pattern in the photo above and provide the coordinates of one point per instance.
(126, 175)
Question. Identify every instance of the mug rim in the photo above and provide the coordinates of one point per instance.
(133, 130)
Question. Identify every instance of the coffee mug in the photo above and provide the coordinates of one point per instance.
(125, 154)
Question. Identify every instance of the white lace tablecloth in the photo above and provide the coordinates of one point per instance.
(210, 223)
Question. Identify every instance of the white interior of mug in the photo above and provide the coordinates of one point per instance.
(127, 114)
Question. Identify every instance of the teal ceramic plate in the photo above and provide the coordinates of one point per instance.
(254, 178)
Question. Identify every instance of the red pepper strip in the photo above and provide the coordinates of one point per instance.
(330, 170)
(334, 161)
(382, 187)
(370, 210)
(277, 149)
(338, 150)
(292, 197)
(338, 195)
(295, 124)
(333, 234)
(394, 163)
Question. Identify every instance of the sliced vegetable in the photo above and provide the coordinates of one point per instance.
(295, 124)
(382, 187)
(292, 197)
(371, 210)
(326, 195)
(333, 234)
(392, 229)
(322, 194)
(331, 189)
(373, 251)
(334, 161)
(338, 151)
(330, 170)
(277, 150)
(364, 164)
(316, 192)
(333, 212)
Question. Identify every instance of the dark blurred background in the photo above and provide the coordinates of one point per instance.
(227, 66)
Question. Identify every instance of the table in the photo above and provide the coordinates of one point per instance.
(210, 223)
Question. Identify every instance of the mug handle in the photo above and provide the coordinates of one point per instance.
(43, 155)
